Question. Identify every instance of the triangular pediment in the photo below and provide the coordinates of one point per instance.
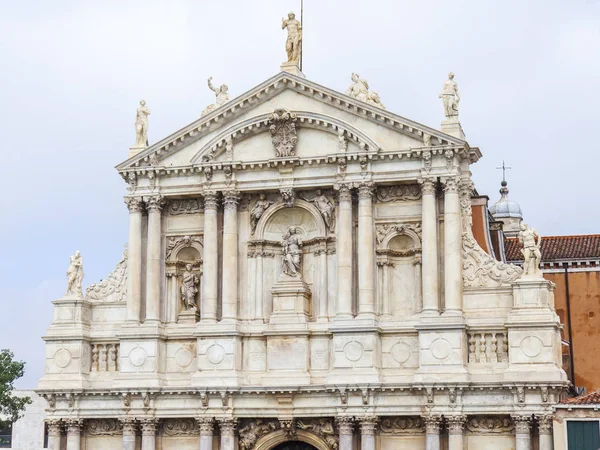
(324, 117)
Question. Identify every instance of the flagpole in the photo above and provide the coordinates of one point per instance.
(302, 25)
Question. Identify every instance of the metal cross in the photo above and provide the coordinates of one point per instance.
(504, 169)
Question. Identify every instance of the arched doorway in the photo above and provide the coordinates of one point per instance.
(294, 445)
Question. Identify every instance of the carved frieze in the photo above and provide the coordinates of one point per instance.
(324, 428)
(490, 424)
(282, 126)
(114, 287)
(180, 427)
(185, 206)
(401, 192)
(402, 425)
(103, 427)
(251, 430)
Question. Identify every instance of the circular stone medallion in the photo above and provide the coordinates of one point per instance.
(62, 358)
(138, 356)
(440, 348)
(353, 351)
(183, 357)
(215, 354)
(531, 346)
(401, 352)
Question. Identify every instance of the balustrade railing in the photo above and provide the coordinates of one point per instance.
(105, 357)
(488, 347)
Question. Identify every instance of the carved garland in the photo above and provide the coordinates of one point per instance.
(402, 192)
(490, 424)
(186, 206)
(115, 283)
(180, 427)
(402, 425)
(103, 427)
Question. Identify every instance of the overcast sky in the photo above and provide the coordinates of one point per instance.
(73, 73)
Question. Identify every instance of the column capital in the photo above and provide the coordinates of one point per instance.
(210, 200)
(456, 424)
(227, 426)
(545, 423)
(522, 423)
(368, 424)
(432, 424)
(343, 189)
(73, 426)
(345, 424)
(129, 425)
(154, 203)
(428, 185)
(206, 425)
(231, 198)
(134, 204)
(450, 184)
(365, 190)
(54, 427)
(466, 186)
(149, 426)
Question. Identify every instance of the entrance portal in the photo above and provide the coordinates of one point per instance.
(294, 445)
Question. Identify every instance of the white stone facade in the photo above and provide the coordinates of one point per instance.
(397, 332)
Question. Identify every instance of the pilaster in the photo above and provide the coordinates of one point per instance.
(134, 259)
(154, 205)
(455, 432)
(149, 428)
(73, 429)
(545, 431)
(366, 253)
(129, 432)
(206, 425)
(432, 432)
(430, 265)
(368, 424)
(453, 281)
(54, 434)
(522, 431)
(344, 253)
(229, 275)
(227, 428)
(346, 431)
(210, 277)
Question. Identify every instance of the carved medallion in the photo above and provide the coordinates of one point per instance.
(103, 427)
(402, 192)
(180, 427)
(187, 206)
(490, 424)
(401, 425)
(282, 126)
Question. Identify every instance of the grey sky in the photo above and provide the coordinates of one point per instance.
(73, 73)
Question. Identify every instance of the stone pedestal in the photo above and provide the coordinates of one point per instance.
(453, 128)
(189, 316)
(135, 149)
(293, 68)
(291, 301)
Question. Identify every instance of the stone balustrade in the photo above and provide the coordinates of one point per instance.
(488, 347)
(105, 357)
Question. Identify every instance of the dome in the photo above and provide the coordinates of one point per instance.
(504, 207)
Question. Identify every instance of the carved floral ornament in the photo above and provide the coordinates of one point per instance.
(176, 243)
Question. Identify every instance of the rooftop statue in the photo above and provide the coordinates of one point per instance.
(75, 275)
(532, 255)
(450, 97)
(141, 125)
(359, 89)
(222, 96)
(293, 44)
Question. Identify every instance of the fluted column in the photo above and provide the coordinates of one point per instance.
(430, 266)
(344, 253)
(73, 428)
(54, 434)
(230, 255)
(366, 251)
(129, 432)
(154, 206)
(227, 427)
(134, 259)
(452, 247)
(210, 277)
(367, 432)
(346, 431)
(522, 432)
(545, 430)
(455, 432)
(432, 432)
(149, 433)
(323, 309)
(206, 432)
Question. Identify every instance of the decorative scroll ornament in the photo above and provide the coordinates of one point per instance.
(252, 430)
(103, 427)
(184, 241)
(490, 424)
(324, 428)
(188, 206)
(402, 192)
(180, 427)
(479, 268)
(114, 287)
(384, 230)
(402, 425)
(282, 126)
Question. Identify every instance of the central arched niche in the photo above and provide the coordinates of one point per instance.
(303, 440)
(295, 445)
(279, 218)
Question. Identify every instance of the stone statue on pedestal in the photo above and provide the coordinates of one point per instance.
(450, 97)
(293, 44)
(532, 255)
(326, 209)
(189, 287)
(75, 275)
(222, 96)
(359, 89)
(141, 125)
(258, 210)
(292, 254)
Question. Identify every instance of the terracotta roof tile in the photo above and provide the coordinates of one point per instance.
(584, 246)
(593, 398)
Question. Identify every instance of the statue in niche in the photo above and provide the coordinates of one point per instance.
(450, 97)
(258, 210)
(326, 209)
(75, 275)
(359, 89)
(221, 94)
(141, 125)
(293, 44)
(532, 255)
(189, 287)
(292, 253)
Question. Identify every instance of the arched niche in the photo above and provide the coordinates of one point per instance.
(185, 249)
(272, 440)
(402, 238)
(276, 220)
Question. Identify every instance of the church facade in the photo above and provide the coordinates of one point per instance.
(302, 273)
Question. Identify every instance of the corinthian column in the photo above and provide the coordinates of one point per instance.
(367, 432)
(149, 434)
(452, 247)
(129, 431)
(366, 252)
(154, 206)
(206, 432)
(432, 432)
(227, 427)
(210, 277)
(134, 259)
(344, 253)
(54, 434)
(522, 432)
(346, 431)
(545, 430)
(230, 255)
(429, 274)
(74, 434)
(455, 432)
